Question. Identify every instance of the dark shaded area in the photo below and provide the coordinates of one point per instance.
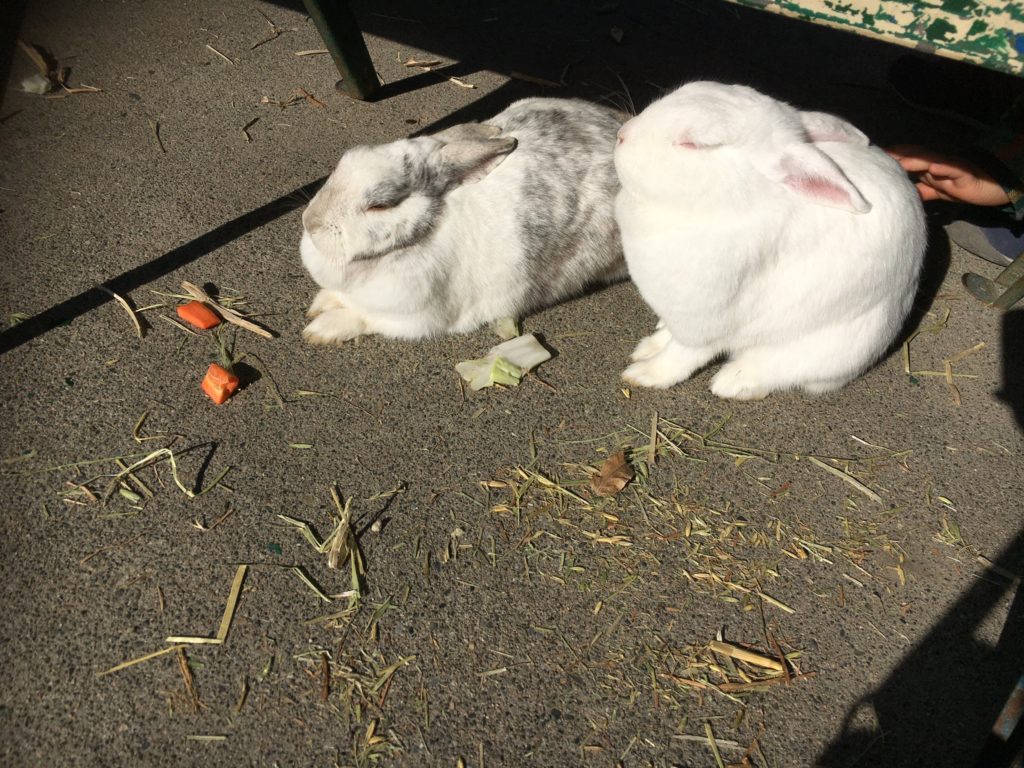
(11, 14)
(933, 272)
(69, 309)
(939, 706)
(1012, 391)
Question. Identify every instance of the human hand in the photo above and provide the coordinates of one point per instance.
(948, 178)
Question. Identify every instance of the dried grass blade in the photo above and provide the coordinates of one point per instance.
(386, 674)
(127, 308)
(229, 609)
(242, 696)
(948, 369)
(311, 584)
(933, 328)
(704, 740)
(143, 488)
(307, 532)
(714, 746)
(178, 325)
(186, 674)
(229, 61)
(953, 390)
(847, 478)
(742, 654)
(230, 315)
(151, 458)
(225, 622)
(137, 436)
(772, 601)
(652, 448)
(139, 660)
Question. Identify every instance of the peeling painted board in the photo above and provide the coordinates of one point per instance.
(988, 33)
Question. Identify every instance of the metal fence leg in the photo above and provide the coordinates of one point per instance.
(1003, 292)
(337, 26)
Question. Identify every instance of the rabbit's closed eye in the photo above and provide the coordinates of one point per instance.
(383, 206)
(385, 196)
(688, 144)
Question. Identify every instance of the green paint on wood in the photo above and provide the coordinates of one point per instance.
(980, 32)
(964, 8)
(940, 30)
(977, 28)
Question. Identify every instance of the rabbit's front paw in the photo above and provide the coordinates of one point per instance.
(650, 346)
(334, 326)
(669, 364)
(735, 381)
(324, 300)
(652, 373)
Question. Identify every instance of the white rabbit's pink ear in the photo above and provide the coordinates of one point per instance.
(807, 172)
(821, 126)
(465, 162)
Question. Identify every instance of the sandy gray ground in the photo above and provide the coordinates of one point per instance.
(556, 630)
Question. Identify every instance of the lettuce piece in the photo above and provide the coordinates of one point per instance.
(504, 364)
(506, 328)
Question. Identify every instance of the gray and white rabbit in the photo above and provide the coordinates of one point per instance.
(444, 233)
(776, 238)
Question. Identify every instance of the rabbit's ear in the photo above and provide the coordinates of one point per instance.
(466, 132)
(807, 172)
(821, 126)
(464, 162)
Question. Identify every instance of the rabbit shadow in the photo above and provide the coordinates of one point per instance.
(937, 260)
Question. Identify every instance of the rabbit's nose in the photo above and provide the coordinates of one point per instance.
(623, 133)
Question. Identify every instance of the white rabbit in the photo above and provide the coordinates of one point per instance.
(777, 238)
(443, 233)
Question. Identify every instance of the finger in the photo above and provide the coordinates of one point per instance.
(916, 153)
(913, 164)
(952, 170)
(928, 193)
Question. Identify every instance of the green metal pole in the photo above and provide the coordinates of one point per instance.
(337, 26)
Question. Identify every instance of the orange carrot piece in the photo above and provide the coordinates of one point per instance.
(199, 314)
(219, 383)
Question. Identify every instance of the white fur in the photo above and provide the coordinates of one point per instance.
(450, 256)
(796, 260)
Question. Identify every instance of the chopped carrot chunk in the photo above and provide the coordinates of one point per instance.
(199, 314)
(219, 383)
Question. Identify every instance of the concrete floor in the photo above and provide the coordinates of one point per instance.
(482, 635)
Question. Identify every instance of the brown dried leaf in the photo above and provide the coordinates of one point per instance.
(612, 476)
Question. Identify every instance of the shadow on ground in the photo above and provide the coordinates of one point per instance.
(939, 706)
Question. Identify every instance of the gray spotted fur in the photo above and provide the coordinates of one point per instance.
(478, 222)
(566, 225)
